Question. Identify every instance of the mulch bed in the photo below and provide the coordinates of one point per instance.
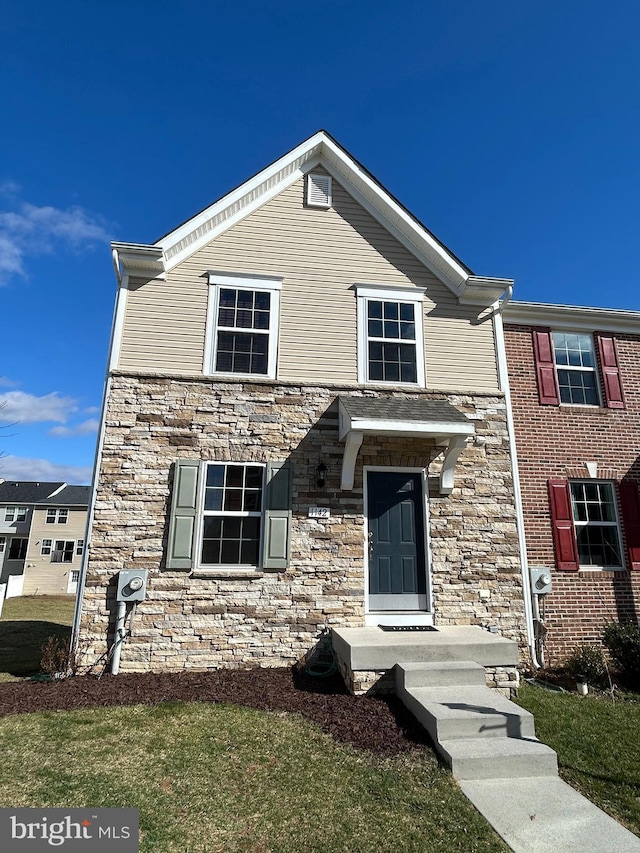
(380, 725)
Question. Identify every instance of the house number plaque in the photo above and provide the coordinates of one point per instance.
(319, 512)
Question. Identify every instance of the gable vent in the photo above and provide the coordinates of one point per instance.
(318, 190)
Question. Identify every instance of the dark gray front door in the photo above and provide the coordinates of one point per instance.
(397, 572)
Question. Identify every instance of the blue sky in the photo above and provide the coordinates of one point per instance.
(511, 129)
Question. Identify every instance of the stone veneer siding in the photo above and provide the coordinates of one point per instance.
(555, 442)
(239, 618)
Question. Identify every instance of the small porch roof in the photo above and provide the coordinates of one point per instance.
(417, 418)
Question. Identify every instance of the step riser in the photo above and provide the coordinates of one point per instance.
(502, 767)
(439, 677)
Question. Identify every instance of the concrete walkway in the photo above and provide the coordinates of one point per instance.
(488, 741)
(545, 815)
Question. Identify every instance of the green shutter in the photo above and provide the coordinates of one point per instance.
(182, 523)
(277, 516)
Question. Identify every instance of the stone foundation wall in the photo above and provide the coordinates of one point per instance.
(240, 618)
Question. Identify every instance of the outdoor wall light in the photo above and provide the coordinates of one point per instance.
(321, 474)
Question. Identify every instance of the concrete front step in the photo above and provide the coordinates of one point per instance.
(467, 712)
(498, 758)
(443, 674)
(374, 649)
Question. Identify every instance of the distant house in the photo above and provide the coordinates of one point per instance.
(305, 426)
(42, 536)
(575, 390)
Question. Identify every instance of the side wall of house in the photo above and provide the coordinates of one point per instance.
(320, 255)
(555, 442)
(237, 618)
(43, 577)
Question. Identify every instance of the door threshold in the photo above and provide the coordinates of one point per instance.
(406, 617)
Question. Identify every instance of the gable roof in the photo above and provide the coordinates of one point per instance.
(70, 496)
(319, 149)
(15, 492)
(26, 492)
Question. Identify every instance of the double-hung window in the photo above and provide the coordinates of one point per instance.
(242, 325)
(45, 547)
(586, 525)
(576, 368)
(57, 516)
(390, 335)
(15, 513)
(232, 515)
(596, 523)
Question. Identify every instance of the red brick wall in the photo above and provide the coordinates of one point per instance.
(556, 441)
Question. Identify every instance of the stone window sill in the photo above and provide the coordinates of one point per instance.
(227, 574)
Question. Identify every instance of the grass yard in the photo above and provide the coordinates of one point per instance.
(597, 744)
(25, 624)
(211, 778)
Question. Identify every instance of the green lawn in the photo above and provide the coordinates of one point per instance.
(598, 746)
(26, 623)
(221, 779)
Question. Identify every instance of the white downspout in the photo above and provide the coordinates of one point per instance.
(503, 379)
(119, 637)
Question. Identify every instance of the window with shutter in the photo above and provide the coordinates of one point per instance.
(567, 371)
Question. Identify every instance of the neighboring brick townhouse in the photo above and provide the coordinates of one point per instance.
(575, 391)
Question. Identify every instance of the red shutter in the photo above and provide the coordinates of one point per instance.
(545, 366)
(630, 501)
(564, 536)
(610, 367)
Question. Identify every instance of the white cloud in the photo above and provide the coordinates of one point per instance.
(41, 470)
(5, 382)
(20, 407)
(30, 230)
(84, 428)
(91, 410)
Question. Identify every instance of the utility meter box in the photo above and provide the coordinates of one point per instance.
(540, 580)
(132, 585)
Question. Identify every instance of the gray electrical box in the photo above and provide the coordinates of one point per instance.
(540, 580)
(132, 585)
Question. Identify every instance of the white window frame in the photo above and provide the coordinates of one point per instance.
(616, 524)
(14, 514)
(3, 544)
(202, 513)
(383, 293)
(46, 547)
(57, 516)
(79, 547)
(577, 368)
(237, 281)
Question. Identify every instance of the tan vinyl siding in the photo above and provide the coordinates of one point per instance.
(41, 576)
(321, 254)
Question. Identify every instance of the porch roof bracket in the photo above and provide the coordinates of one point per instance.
(454, 449)
(352, 446)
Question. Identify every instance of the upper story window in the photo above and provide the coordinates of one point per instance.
(577, 368)
(63, 551)
(390, 335)
(15, 513)
(57, 516)
(242, 325)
